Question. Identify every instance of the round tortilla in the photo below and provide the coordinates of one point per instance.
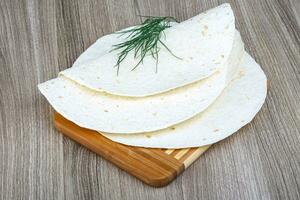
(236, 107)
(115, 114)
(203, 43)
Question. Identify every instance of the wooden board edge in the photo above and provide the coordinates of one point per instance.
(156, 179)
(194, 156)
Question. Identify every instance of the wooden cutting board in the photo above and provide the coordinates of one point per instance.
(155, 167)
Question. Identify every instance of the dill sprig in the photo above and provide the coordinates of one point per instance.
(143, 40)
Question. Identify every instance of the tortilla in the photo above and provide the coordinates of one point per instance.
(115, 114)
(203, 44)
(236, 107)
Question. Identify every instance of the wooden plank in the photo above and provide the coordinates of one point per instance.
(153, 166)
(39, 38)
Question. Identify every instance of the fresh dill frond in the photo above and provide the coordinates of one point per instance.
(143, 40)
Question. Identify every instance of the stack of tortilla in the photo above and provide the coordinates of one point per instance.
(212, 91)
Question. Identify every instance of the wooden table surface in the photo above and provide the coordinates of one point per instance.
(40, 38)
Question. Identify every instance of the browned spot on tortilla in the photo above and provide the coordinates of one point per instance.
(172, 128)
(222, 56)
(148, 136)
(105, 110)
(243, 121)
(60, 97)
(205, 27)
(241, 74)
(216, 130)
(218, 72)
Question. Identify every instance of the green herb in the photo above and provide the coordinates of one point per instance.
(144, 39)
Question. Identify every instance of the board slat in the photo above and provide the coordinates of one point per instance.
(156, 167)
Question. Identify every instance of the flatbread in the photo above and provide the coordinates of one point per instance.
(236, 107)
(204, 44)
(115, 114)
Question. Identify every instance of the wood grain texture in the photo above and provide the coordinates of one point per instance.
(156, 167)
(38, 38)
(152, 166)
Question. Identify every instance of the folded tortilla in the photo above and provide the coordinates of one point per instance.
(185, 104)
(203, 44)
(236, 107)
(115, 114)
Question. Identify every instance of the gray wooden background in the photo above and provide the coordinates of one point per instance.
(40, 38)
